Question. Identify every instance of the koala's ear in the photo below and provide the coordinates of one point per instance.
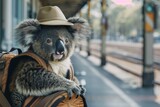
(26, 30)
(81, 27)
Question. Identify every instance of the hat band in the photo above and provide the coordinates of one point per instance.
(43, 20)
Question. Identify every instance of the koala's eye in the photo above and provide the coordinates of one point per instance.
(66, 40)
(49, 41)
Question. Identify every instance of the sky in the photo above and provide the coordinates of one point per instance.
(122, 2)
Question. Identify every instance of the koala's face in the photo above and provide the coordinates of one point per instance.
(53, 43)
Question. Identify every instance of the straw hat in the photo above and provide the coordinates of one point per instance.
(52, 15)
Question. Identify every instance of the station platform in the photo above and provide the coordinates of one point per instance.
(106, 90)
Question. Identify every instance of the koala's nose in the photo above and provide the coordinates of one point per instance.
(59, 47)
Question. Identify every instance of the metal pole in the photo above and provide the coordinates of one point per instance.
(89, 20)
(1, 34)
(148, 72)
(103, 32)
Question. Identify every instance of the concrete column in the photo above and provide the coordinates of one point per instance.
(89, 20)
(34, 2)
(148, 71)
(103, 32)
(7, 12)
(25, 10)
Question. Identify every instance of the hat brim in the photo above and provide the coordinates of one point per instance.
(56, 23)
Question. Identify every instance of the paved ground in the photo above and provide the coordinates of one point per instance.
(105, 90)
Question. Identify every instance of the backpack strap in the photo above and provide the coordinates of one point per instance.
(13, 56)
(40, 61)
(5, 73)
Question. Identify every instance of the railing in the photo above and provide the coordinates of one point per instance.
(129, 52)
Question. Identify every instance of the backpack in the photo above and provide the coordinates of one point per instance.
(56, 99)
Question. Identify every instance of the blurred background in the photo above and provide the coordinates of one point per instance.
(119, 63)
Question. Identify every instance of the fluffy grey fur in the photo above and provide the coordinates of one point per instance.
(25, 29)
(29, 78)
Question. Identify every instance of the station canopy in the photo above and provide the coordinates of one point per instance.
(69, 7)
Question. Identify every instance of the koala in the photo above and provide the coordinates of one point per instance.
(55, 45)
